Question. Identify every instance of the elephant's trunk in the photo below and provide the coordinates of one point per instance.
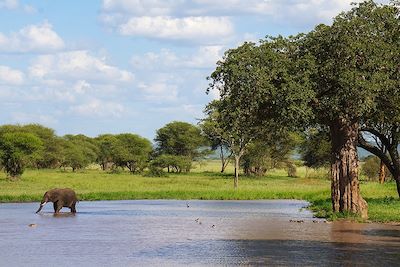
(44, 201)
(41, 206)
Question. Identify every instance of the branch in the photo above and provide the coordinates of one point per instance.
(385, 141)
(377, 152)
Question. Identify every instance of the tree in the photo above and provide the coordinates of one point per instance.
(315, 149)
(270, 152)
(334, 76)
(354, 68)
(50, 155)
(15, 150)
(78, 151)
(260, 90)
(215, 134)
(180, 139)
(173, 163)
(371, 167)
(106, 144)
(131, 151)
(383, 126)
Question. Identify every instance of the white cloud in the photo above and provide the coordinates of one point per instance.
(99, 108)
(82, 87)
(23, 118)
(205, 57)
(10, 76)
(15, 5)
(9, 4)
(32, 38)
(159, 91)
(192, 29)
(77, 65)
(177, 20)
(141, 7)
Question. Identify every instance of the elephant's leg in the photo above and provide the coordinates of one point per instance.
(55, 207)
(73, 210)
(59, 206)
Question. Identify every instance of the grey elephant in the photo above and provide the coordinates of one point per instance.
(64, 197)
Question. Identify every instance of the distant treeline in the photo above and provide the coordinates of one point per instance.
(36, 146)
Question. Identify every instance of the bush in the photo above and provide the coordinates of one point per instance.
(371, 167)
(155, 172)
(172, 163)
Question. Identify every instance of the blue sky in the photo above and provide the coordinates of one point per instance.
(116, 66)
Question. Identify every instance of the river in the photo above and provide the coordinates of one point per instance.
(195, 233)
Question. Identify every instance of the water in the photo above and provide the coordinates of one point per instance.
(168, 233)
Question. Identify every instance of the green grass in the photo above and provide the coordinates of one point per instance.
(205, 182)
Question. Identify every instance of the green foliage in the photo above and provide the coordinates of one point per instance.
(106, 144)
(51, 154)
(370, 167)
(315, 149)
(271, 151)
(16, 148)
(155, 171)
(172, 163)
(180, 139)
(131, 151)
(78, 151)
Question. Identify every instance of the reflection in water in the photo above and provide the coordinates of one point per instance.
(276, 252)
(130, 233)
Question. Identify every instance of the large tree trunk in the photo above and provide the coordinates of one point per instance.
(382, 173)
(345, 188)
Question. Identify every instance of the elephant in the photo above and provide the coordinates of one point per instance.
(64, 197)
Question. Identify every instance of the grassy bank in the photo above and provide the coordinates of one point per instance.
(205, 182)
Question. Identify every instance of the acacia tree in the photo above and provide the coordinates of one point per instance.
(51, 153)
(78, 151)
(106, 144)
(16, 148)
(179, 138)
(131, 151)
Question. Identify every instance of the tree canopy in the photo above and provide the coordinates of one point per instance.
(180, 139)
(16, 148)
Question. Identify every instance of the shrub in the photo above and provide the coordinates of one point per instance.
(155, 172)
(172, 163)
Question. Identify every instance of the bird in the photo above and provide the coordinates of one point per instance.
(187, 205)
(213, 226)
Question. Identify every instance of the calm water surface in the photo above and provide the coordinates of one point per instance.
(168, 233)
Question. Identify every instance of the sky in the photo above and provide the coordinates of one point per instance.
(118, 66)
